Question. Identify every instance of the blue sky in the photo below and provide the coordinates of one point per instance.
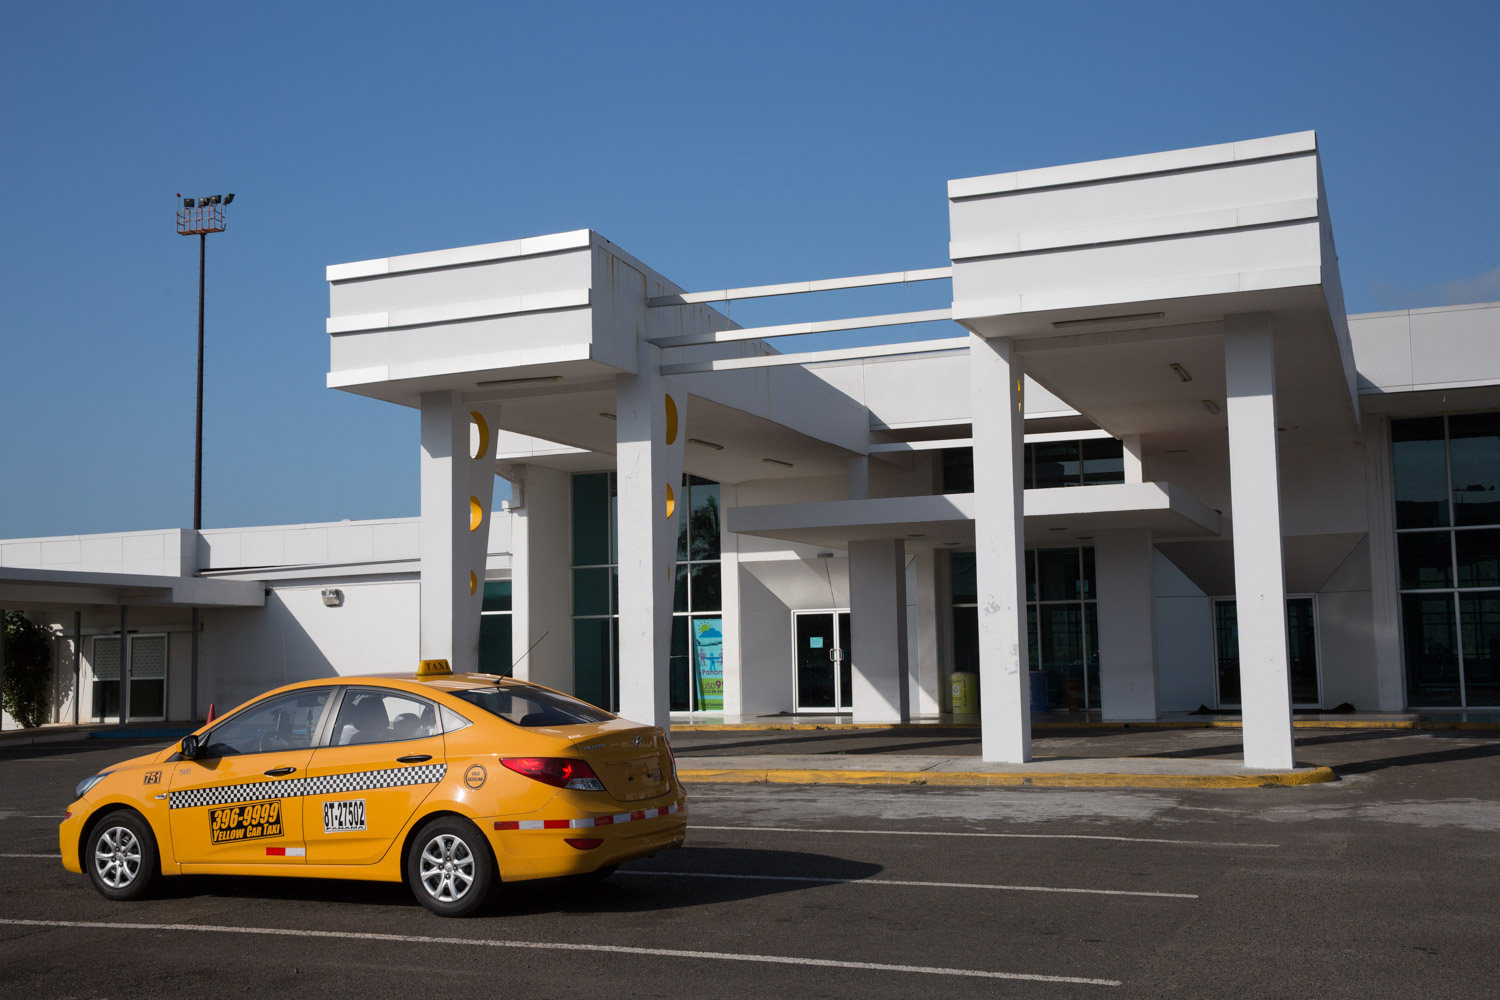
(723, 144)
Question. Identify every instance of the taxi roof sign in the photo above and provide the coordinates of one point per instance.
(433, 668)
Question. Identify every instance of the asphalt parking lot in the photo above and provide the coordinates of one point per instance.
(1381, 884)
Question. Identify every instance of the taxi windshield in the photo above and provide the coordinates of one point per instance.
(532, 707)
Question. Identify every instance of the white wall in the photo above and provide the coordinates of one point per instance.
(1184, 640)
(542, 590)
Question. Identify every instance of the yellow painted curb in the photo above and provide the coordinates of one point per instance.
(971, 779)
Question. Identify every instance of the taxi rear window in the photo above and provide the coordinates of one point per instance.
(531, 707)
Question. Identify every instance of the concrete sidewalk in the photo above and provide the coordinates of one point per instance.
(1075, 772)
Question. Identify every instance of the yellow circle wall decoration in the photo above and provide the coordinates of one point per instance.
(473, 583)
(484, 434)
(671, 422)
(671, 500)
(476, 514)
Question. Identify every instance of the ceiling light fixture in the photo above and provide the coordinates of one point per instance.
(777, 461)
(607, 416)
(1182, 372)
(1063, 324)
(532, 380)
(1210, 406)
(706, 444)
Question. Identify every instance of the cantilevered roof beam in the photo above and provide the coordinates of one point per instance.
(798, 329)
(800, 287)
(814, 357)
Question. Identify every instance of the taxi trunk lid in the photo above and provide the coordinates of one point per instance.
(633, 764)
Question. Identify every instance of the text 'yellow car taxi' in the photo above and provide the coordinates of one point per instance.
(451, 782)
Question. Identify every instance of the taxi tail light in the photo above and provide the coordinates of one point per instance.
(561, 772)
(583, 843)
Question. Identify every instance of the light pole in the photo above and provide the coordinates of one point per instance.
(198, 217)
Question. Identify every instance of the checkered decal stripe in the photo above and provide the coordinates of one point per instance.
(588, 822)
(328, 784)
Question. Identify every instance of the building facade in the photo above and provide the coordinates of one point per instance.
(1160, 469)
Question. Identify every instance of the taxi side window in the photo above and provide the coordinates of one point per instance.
(286, 722)
(368, 716)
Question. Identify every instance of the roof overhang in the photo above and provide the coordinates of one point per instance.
(54, 589)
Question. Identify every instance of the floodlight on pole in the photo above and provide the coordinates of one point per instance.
(199, 217)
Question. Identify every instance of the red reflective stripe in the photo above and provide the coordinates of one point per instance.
(507, 824)
(555, 824)
(604, 821)
(276, 852)
(584, 822)
(638, 814)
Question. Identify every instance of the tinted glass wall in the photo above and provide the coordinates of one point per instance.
(1446, 473)
(1047, 465)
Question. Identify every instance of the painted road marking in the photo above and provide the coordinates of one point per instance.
(612, 949)
(54, 857)
(929, 885)
(1003, 836)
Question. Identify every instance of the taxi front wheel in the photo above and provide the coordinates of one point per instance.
(449, 867)
(121, 856)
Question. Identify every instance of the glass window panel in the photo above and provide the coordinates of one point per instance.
(1478, 558)
(1058, 574)
(614, 521)
(965, 583)
(496, 595)
(966, 640)
(1227, 650)
(1057, 464)
(591, 644)
(591, 505)
(681, 510)
(706, 593)
(704, 529)
(495, 656)
(1426, 559)
(1061, 629)
(1420, 469)
(106, 659)
(591, 591)
(1103, 461)
(680, 588)
(1028, 467)
(1088, 591)
(1474, 454)
(1302, 650)
(1431, 650)
(285, 722)
(383, 717)
(815, 641)
(679, 667)
(1091, 637)
(1030, 559)
(1479, 620)
(1033, 644)
(148, 659)
(958, 470)
(148, 699)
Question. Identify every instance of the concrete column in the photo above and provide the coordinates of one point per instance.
(1385, 603)
(877, 607)
(124, 664)
(458, 491)
(859, 477)
(995, 390)
(1123, 566)
(651, 426)
(1130, 450)
(1255, 500)
(729, 583)
(931, 628)
(541, 580)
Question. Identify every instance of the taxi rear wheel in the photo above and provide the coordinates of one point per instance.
(121, 856)
(450, 868)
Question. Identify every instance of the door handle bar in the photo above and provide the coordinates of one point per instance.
(414, 758)
(277, 772)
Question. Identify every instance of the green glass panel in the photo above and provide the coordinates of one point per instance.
(966, 639)
(1058, 574)
(1227, 649)
(495, 656)
(703, 528)
(1426, 559)
(680, 588)
(679, 668)
(1420, 468)
(1103, 461)
(706, 594)
(591, 506)
(591, 644)
(497, 595)
(1478, 558)
(1029, 557)
(1479, 620)
(965, 583)
(1474, 453)
(1057, 464)
(591, 591)
(1431, 650)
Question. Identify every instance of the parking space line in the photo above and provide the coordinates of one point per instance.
(612, 949)
(54, 857)
(1000, 836)
(928, 885)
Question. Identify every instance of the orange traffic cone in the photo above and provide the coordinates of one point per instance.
(210, 714)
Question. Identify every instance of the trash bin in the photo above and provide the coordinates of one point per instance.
(965, 693)
(1040, 702)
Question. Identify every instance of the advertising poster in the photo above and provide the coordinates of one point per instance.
(708, 663)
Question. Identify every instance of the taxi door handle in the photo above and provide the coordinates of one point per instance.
(277, 772)
(414, 758)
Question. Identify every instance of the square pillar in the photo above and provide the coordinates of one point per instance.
(995, 390)
(650, 426)
(458, 490)
(1123, 567)
(541, 579)
(1255, 501)
(931, 629)
(877, 609)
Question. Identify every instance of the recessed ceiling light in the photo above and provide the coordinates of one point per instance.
(1210, 406)
(777, 461)
(1182, 372)
(706, 444)
(606, 416)
(1065, 323)
(1175, 451)
(917, 535)
(1085, 538)
(1057, 529)
(533, 380)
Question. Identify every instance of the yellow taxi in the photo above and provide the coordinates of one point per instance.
(450, 782)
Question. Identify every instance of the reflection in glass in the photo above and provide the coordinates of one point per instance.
(591, 591)
(1058, 573)
(591, 503)
(1431, 654)
(1426, 559)
(815, 664)
(1420, 469)
(1478, 558)
(1227, 650)
(704, 527)
(495, 655)
(1474, 453)
(706, 592)
(1057, 464)
(965, 583)
(1062, 653)
(591, 660)
(1302, 651)
(1479, 620)
(1103, 461)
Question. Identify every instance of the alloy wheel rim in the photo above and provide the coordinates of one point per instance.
(117, 857)
(447, 868)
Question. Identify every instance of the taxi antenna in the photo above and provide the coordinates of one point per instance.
(529, 648)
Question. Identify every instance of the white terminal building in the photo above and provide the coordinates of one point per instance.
(1160, 469)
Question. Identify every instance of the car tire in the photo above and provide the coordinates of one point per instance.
(450, 867)
(121, 857)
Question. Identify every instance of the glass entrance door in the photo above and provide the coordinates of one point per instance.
(1302, 652)
(824, 669)
(147, 680)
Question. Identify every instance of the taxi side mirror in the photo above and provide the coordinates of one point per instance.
(190, 747)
